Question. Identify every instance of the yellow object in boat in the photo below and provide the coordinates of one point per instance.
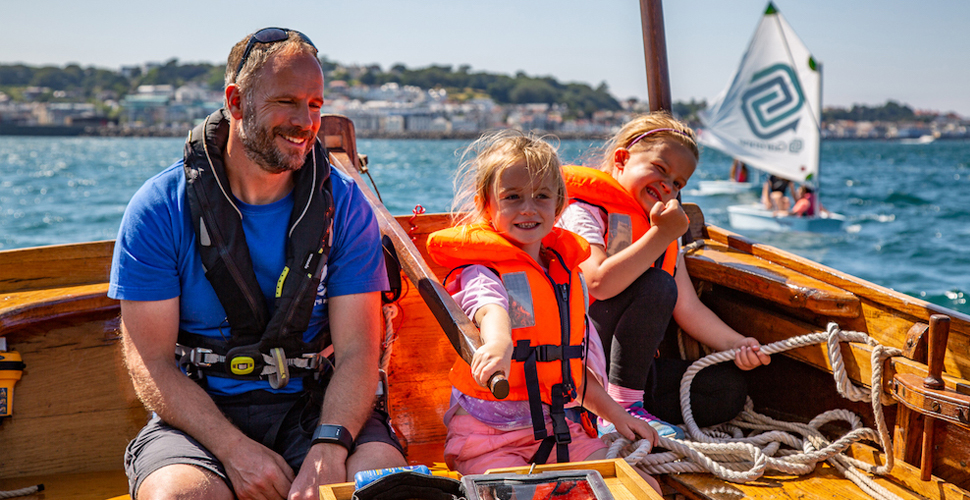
(11, 369)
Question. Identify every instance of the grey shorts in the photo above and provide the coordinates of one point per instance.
(158, 445)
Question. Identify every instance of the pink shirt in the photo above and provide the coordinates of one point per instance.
(478, 287)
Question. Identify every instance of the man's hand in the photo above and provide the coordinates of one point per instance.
(670, 219)
(256, 472)
(325, 463)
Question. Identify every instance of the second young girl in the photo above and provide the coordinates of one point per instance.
(517, 276)
(628, 211)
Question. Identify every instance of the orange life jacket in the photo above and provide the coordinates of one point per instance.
(547, 309)
(626, 219)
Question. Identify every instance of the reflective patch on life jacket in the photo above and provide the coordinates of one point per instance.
(582, 281)
(619, 234)
(521, 309)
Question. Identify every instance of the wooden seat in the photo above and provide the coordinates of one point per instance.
(717, 263)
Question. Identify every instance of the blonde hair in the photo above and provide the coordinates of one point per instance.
(657, 126)
(483, 162)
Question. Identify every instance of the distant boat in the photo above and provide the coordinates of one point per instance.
(724, 187)
(769, 117)
(758, 218)
(727, 186)
(923, 139)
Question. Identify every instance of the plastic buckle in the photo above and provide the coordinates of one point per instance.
(279, 379)
(382, 392)
(314, 360)
(197, 356)
(548, 352)
(244, 361)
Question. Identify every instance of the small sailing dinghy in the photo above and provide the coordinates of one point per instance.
(769, 117)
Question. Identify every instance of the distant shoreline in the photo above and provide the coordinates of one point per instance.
(7, 130)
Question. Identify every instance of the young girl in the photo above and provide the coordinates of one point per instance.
(629, 213)
(517, 276)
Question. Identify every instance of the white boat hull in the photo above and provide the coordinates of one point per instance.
(757, 218)
(711, 188)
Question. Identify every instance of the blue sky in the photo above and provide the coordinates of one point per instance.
(872, 50)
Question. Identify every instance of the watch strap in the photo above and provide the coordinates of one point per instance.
(336, 434)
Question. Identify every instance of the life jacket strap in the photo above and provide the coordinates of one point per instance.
(530, 355)
(560, 431)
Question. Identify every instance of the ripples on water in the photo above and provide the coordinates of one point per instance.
(906, 204)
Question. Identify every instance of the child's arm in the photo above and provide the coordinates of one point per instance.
(600, 403)
(607, 276)
(495, 354)
(701, 323)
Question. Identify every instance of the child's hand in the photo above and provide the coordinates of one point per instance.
(749, 354)
(670, 219)
(633, 428)
(492, 356)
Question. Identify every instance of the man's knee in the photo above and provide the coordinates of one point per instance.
(183, 481)
(374, 455)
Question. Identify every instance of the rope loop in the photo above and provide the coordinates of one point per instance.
(788, 447)
(416, 211)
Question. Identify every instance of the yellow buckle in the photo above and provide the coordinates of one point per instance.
(242, 365)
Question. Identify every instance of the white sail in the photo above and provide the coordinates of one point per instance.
(769, 115)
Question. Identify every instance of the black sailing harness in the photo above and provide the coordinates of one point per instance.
(262, 346)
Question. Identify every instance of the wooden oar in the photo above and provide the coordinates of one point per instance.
(337, 134)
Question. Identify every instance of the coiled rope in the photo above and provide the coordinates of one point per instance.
(725, 452)
(30, 490)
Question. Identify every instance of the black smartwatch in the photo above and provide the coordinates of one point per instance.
(329, 433)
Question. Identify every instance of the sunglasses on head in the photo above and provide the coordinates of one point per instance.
(268, 35)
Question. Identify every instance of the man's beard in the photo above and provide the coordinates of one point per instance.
(260, 144)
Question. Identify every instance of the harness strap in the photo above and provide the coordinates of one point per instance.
(526, 354)
(243, 363)
(529, 356)
(560, 432)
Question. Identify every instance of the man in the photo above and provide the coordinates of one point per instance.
(247, 259)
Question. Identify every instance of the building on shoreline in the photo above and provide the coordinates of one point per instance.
(378, 111)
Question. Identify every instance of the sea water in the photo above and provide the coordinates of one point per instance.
(907, 205)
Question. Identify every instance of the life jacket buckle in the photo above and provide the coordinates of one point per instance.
(196, 356)
(243, 361)
(548, 352)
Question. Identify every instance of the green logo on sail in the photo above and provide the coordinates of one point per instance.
(772, 101)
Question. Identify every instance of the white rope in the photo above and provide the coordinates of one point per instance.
(30, 490)
(726, 452)
(390, 311)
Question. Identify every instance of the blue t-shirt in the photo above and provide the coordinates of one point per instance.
(155, 258)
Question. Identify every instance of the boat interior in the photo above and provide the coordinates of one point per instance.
(75, 409)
